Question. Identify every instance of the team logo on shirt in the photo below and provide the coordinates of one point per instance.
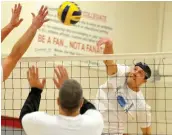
(124, 103)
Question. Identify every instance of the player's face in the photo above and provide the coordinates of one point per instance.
(137, 76)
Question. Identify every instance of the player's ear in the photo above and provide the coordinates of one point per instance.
(145, 80)
(81, 102)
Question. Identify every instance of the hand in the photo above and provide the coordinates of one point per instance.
(108, 45)
(39, 20)
(62, 75)
(33, 78)
(15, 21)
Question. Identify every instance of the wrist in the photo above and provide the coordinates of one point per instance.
(10, 26)
(36, 89)
(109, 62)
(33, 27)
(109, 43)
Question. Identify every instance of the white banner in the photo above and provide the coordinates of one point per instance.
(55, 38)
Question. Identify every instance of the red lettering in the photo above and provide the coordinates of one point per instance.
(41, 38)
(57, 41)
(49, 40)
(83, 47)
(75, 45)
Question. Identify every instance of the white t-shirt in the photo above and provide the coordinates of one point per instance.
(40, 123)
(114, 115)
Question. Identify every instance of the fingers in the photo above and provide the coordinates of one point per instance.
(101, 42)
(15, 21)
(37, 74)
(33, 15)
(56, 83)
(46, 20)
(43, 82)
(28, 72)
(40, 11)
(20, 8)
(61, 74)
(65, 72)
(62, 71)
(33, 72)
(40, 19)
(45, 14)
(105, 41)
(20, 21)
(59, 77)
(44, 11)
(17, 8)
(57, 73)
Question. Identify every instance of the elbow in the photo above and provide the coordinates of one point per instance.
(23, 112)
(112, 72)
(5, 77)
(15, 56)
(111, 69)
(21, 116)
(6, 74)
(8, 65)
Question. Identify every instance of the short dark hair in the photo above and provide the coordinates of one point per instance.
(70, 95)
(145, 68)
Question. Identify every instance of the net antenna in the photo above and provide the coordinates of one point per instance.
(156, 76)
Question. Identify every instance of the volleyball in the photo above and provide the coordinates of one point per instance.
(69, 13)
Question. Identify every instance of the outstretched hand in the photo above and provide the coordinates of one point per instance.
(108, 45)
(15, 19)
(33, 78)
(61, 74)
(40, 19)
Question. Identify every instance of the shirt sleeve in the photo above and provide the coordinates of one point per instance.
(34, 123)
(121, 70)
(32, 102)
(118, 78)
(86, 106)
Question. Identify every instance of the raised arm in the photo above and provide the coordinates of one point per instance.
(24, 42)
(111, 66)
(33, 100)
(14, 22)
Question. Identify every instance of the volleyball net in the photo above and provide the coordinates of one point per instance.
(90, 71)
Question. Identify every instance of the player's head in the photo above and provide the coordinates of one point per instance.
(70, 97)
(139, 74)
